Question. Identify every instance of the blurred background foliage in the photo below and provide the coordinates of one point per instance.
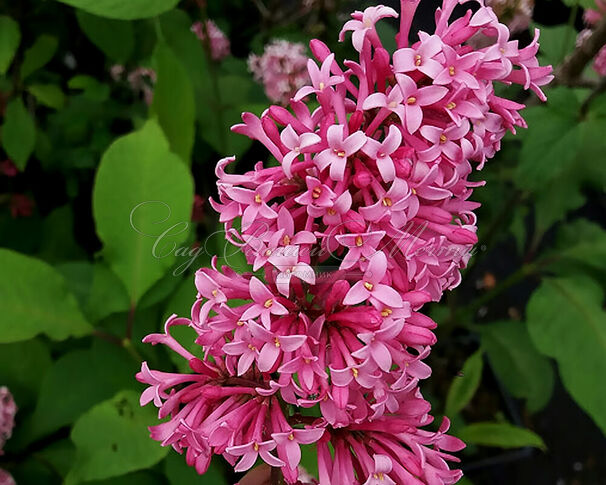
(107, 106)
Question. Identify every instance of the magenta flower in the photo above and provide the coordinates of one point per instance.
(380, 474)
(458, 69)
(360, 247)
(265, 303)
(375, 163)
(297, 144)
(421, 58)
(340, 147)
(287, 262)
(415, 98)
(321, 78)
(364, 23)
(254, 201)
(213, 37)
(382, 151)
(8, 409)
(370, 287)
(251, 451)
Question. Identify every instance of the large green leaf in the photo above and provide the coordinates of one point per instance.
(515, 360)
(556, 42)
(34, 299)
(173, 103)
(22, 367)
(566, 321)
(501, 435)
(10, 36)
(116, 38)
(121, 9)
(18, 133)
(39, 54)
(99, 291)
(584, 242)
(142, 203)
(464, 387)
(552, 141)
(112, 439)
(77, 381)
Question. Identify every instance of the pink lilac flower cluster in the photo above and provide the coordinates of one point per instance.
(8, 409)
(282, 69)
(218, 44)
(141, 80)
(592, 17)
(364, 219)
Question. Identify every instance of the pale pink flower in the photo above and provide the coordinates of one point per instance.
(8, 409)
(213, 37)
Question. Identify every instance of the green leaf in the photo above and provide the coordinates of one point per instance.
(501, 435)
(125, 10)
(22, 367)
(93, 375)
(18, 133)
(99, 291)
(463, 388)
(555, 200)
(93, 89)
(566, 321)
(112, 439)
(551, 143)
(178, 472)
(556, 43)
(48, 94)
(10, 36)
(38, 55)
(582, 242)
(116, 38)
(517, 363)
(173, 103)
(142, 202)
(34, 300)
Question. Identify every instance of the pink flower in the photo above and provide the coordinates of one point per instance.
(360, 246)
(8, 409)
(364, 23)
(321, 79)
(421, 58)
(282, 69)
(213, 37)
(8, 168)
(297, 144)
(6, 478)
(382, 151)
(250, 451)
(379, 476)
(340, 147)
(265, 303)
(375, 163)
(599, 63)
(370, 287)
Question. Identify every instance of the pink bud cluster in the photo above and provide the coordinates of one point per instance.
(218, 43)
(282, 69)
(592, 17)
(364, 218)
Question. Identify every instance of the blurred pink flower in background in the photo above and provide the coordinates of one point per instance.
(219, 45)
(8, 168)
(599, 64)
(6, 478)
(282, 69)
(593, 16)
(8, 409)
(21, 206)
